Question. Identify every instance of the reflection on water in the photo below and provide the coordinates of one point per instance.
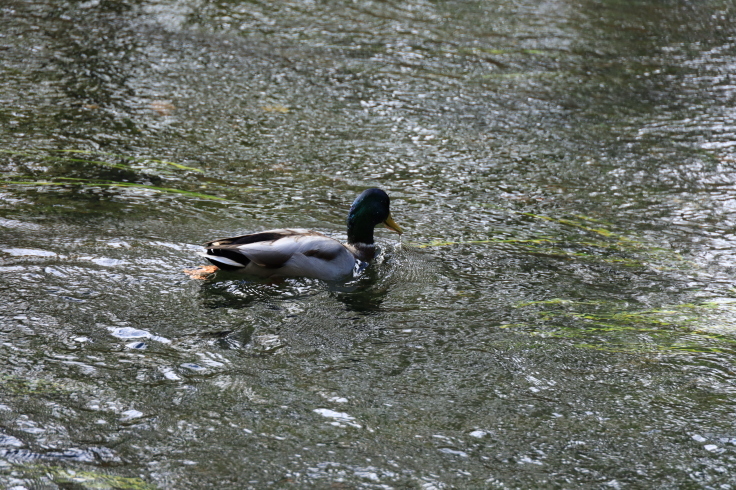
(560, 313)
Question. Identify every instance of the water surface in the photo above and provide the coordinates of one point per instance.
(560, 312)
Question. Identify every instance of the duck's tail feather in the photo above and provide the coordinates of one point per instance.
(225, 259)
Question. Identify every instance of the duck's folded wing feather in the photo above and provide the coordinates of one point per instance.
(278, 252)
(263, 236)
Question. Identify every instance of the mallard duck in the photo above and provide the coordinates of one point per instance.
(306, 253)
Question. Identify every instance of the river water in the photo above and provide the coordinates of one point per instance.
(560, 313)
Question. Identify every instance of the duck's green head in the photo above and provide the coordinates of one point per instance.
(369, 209)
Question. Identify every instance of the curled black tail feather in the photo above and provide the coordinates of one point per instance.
(228, 254)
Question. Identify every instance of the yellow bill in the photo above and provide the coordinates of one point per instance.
(391, 225)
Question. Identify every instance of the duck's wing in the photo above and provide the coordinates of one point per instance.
(272, 248)
(263, 236)
(287, 252)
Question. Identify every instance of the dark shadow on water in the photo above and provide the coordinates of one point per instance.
(364, 294)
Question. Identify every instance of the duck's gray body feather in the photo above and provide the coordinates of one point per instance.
(284, 252)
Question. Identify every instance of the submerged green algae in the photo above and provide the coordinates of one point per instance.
(686, 327)
(68, 181)
(607, 246)
(60, 156)
(74, 478)
(19, 386)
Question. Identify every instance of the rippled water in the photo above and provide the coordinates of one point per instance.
(560, 312)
